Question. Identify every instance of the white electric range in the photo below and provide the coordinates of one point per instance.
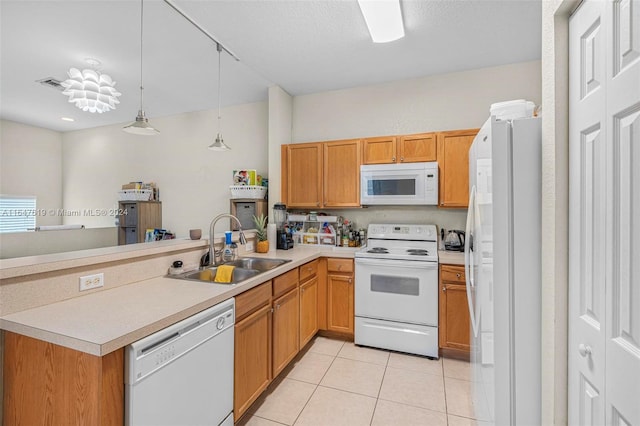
(396, 289)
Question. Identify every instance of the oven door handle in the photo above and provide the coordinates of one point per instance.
(394, 262)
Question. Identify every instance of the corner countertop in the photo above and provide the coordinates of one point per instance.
(450, 257)
(108, 320)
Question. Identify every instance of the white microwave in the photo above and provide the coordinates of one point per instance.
(399, 184)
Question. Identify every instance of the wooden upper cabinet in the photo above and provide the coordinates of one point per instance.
(453, 163)
(379, 150)
(341, 177)
(399, 149)
(303, 186)
(417, 148)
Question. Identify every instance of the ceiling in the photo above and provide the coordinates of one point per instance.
(304, 46)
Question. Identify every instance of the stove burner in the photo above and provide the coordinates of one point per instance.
(418, 252)
(378, 250)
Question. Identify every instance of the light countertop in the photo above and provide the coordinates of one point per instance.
(450, 257)
(105, 321)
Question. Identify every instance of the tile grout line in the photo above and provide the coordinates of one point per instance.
(444, 388)
(384, 373)
(317, 386)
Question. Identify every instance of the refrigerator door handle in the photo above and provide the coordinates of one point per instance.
(469, 257)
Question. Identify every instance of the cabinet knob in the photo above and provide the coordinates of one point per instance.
(393, 159)
(302, 290)
(458, 275)
(271, 310)
(401, 158)
(444, 288)
(350, 280)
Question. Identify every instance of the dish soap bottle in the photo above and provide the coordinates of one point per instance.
(227, 252)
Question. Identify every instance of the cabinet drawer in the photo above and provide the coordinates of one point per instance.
(130, 235)
(131, 218)
(452, 273)
(251, 300)
(339, 265)
(285, 282)
(308, 270)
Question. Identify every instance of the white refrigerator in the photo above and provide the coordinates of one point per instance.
(502, 261)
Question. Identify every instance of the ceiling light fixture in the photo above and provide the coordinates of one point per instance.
(90, 90)
(219, 144)
(67, 119)
(141, 126)
(383, 18)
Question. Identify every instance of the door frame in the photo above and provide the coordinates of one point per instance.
(555, 208)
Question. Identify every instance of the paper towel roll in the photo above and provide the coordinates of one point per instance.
(271, 236)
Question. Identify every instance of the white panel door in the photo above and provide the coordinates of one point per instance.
(622, 391)
(604, 215)
(587, 214)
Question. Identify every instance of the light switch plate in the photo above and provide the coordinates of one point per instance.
(91, 281)
(249, 246)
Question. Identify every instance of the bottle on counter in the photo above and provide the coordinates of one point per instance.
(227, 251)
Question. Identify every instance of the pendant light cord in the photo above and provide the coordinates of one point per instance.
(219, 48)
(141, 50)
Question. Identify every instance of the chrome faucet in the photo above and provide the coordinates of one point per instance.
(212, 251)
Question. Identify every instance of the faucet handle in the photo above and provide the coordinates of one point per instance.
(242, 238)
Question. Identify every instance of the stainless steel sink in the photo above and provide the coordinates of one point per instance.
(245, 268)
(208, 274)
(259, 263)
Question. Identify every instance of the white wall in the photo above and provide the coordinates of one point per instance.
(193, 180)
(31, 164)
(280, 128)
(441, 102)
(20, 244)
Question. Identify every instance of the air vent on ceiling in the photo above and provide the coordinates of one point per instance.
(51, 82)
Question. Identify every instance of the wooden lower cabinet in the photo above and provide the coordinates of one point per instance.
(252, 347)
(340, 303)
(454, 321)
(252, 371)
(308, 310)
(50, 384)
(286, 320)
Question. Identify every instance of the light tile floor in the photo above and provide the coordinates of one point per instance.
(333, 383)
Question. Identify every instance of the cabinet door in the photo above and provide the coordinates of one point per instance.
(308, 310)
(341, 177)
(286, 320)
(454, 317)
(453, 162)
(417, 148)
(379, 150)
(304, 177)
(252, 370)
(340, 303)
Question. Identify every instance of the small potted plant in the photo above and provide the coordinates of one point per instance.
(262, 245)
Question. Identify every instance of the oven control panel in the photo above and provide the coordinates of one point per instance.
(402, 232)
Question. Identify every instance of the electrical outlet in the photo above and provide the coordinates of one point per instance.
(249, 246)
(91, 281)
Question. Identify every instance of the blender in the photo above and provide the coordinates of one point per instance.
(284, 240)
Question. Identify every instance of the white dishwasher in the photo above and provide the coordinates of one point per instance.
(183, 374)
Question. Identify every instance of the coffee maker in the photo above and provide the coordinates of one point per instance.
(284, 240)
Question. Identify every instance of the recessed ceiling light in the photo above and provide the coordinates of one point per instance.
(67, 119)
(383, 18)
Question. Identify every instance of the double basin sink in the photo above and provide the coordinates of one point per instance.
(245, 268)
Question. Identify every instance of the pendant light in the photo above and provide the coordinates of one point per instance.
(219, 144)
(141, 126)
